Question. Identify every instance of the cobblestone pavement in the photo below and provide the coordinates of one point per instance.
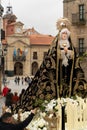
(14, 88)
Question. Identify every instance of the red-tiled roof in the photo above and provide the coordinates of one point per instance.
(39, 39)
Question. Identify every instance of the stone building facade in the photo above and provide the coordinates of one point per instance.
(25, 47)
(76, 12)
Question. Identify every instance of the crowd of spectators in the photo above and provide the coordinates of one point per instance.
(22, 80)
(10, 97)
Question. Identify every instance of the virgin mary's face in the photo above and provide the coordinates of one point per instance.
(64, 36)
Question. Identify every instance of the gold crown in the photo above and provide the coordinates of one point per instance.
(63, 23)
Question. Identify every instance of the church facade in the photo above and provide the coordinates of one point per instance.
(26, 48)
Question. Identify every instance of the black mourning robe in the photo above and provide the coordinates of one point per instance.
(53, 80)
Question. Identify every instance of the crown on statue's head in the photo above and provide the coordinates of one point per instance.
(63, 23)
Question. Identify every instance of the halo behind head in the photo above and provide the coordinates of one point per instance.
(63, 23)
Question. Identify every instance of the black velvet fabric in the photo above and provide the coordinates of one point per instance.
(52, 80)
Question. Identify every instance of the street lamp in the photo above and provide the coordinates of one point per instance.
(1, 12)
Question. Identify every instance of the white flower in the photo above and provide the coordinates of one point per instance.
(15, 116)
(51, 115)
(42, 114)
(44, 128)
(37, 124)
(51, 105)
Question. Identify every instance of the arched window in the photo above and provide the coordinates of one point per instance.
(34, 68)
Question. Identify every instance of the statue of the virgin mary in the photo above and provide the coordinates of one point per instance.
(59, 75)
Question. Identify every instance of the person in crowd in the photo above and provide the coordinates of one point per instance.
(4, 80)
(8, 101)
(15, 80)
(22, 80)
(15, 98)
(5, 91)
(25, 80)
(28, 80)
(18, 80)
(7, 121)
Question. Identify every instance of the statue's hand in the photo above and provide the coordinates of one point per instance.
(66, 50)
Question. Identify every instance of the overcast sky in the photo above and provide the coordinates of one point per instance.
(40, 14)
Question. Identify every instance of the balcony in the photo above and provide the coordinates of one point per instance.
(77, 20)
(19, 58)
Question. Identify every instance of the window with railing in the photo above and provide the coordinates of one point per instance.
(81, 12)
(81, 46)
(35, 56)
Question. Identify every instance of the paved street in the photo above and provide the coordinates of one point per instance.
(14, 88)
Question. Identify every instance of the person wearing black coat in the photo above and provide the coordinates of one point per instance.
(7, 122)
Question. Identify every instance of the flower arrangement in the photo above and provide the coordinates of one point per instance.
(38, 122)
(48, 109)
(48, 113)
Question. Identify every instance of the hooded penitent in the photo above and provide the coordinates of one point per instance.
(59, 75)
